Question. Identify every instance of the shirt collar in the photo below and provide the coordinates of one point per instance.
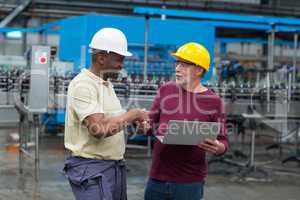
(95, 77)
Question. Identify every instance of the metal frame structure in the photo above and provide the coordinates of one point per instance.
(29, 123)
(14, 13)
(296, 156)
(64, 8)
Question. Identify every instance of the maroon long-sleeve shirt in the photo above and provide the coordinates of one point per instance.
(182, 163)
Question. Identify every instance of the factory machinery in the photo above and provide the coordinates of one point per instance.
(136, 90)
(134, 86)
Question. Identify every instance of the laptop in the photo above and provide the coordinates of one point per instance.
(189, 132)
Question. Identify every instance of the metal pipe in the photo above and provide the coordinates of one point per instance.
(7, 93)
(146, 46)
(24, 38)
(295, 58)
(21, 135)
(297, 139)
(253, 133)
(83, 57)
(27, 154)
(289, 92)
(37, 158)
(268, 66)
(271, 38)
(14, 13)
(257, 80)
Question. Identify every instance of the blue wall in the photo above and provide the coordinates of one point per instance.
(179, 32)
(78, 31)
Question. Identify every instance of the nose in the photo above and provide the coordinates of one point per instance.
(178, 68)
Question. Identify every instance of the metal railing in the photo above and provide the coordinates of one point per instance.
(29, 128)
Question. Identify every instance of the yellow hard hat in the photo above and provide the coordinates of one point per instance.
(194, 53)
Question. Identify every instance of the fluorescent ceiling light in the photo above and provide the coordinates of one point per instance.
(14, 34)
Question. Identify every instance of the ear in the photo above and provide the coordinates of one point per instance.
(100, 59)
(200, 71)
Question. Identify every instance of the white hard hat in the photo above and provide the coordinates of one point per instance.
(111, 40)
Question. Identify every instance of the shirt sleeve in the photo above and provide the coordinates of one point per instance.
(221, 117)
(84, 99)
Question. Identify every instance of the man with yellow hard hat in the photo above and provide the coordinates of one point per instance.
(178, 171)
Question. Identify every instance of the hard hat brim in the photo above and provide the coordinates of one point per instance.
(180, 57)
(127, 53)
(174, 55)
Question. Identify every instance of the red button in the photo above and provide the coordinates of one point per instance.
(43, 60)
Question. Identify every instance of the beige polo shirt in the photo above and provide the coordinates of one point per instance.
(89, 94)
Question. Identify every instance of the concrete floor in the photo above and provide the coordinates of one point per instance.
(284, 183)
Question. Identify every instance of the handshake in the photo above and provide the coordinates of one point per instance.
(141, 118)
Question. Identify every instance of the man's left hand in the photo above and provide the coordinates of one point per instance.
(212, 146)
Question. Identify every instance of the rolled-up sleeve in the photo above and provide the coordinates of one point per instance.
(84, 99)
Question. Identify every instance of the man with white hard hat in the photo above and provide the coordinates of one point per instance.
(94, 123)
